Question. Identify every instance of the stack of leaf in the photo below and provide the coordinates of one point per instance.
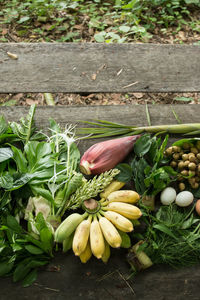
(38, 175)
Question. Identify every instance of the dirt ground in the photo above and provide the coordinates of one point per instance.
(186, 36)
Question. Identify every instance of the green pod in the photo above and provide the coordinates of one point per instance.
(67, 227)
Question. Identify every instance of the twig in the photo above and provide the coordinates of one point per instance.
(127, 283)
(124, 279)
(126, 86)
(46, 288)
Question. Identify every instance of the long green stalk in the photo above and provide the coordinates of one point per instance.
(185, 129)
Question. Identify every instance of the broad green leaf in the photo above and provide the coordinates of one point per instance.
(126, 241)
(42, 260)
(21, 180)
(124, 28)
(23, 19)
(142, 145)
(42, 192)
(46, 238)
(22, 270)
(5, 154)
(6, 181)
(33, 249)
(12, 223)
(100, 37)
(54, 127)
(125, 174)
(40, 222)
(43, 149)
(20, 159)
(5, 268)
(30, 278)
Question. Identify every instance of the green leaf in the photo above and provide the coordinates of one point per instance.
(75, 182)
(5, 199)
(40, 222)
(125, 174)
(142, 145)
(5, 154)
(26, 129)
(100, 37)
(33, 249)
(3, 125)
(21, 270)
(185, 99)
(6, 181)
(20, 159)
(46, 238)
(42, 192)
(5, 267)
(54, 126)
(30, 278)
(124, 28)
(126, 241)
(12, 223)
(23, 19)
(20, 181)
(164, 229)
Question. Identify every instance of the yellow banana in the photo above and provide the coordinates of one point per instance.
(81, 236)
(119, 221)
(106, 254)
(110, 233)
(115, 185)
(96, 239)
(126, 196)
(68, 226)
(86, 254)
(127, 210)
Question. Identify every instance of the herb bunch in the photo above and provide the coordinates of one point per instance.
(172, 236)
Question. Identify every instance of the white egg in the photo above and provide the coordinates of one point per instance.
(168, 196)
(184, 198)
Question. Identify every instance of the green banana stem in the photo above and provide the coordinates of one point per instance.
(176, 128)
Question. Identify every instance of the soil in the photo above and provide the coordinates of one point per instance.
(11, 32)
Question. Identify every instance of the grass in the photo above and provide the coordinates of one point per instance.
(100, 21)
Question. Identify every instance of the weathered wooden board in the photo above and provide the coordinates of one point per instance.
(89, 67)
(66, 277)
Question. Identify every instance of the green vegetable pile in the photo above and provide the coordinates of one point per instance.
(39, 176)
(171, 236)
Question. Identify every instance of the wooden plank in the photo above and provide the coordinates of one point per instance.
(95, 280)
(128, 114)
(89, 67)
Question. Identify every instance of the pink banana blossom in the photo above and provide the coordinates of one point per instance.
(104, 156)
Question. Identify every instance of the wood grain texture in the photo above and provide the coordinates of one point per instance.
(128, 114)
(95, 280)
(89, 67)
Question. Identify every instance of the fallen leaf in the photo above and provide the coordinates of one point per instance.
(94, 76)
(138, 95)
(4, 31)
(31, 101)
(12, 55)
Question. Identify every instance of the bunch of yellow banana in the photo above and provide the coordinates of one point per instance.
(93, 233)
